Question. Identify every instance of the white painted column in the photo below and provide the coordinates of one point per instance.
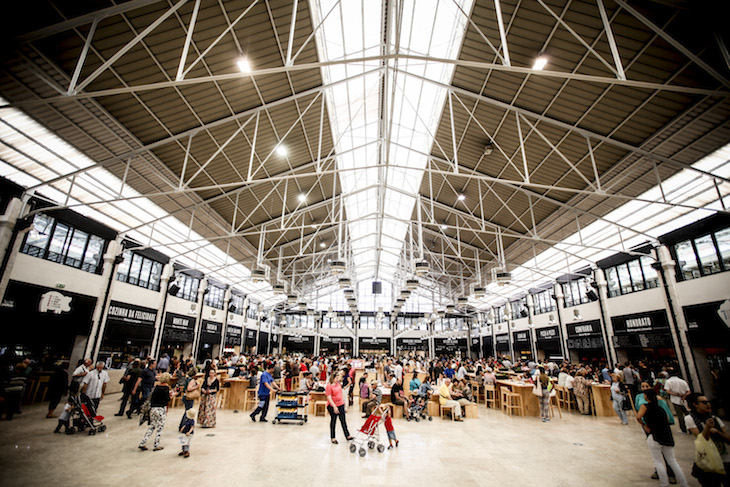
(98, 320)
(167, 272)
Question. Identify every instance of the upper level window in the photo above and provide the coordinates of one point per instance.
(500, 315)
(236, 304)
(543, 302)
(518, 308)
(251, 311)
(140, 271)
(188, 287)
(703, 256)
(59, 242)
(574, 292)
(635, 275)
(214, 297)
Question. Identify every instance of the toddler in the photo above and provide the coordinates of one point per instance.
(65, 416)
(186, 428)
(389, 429)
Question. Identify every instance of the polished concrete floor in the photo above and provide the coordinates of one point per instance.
(491, 450)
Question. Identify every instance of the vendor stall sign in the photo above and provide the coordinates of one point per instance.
(641, 322)
(54, 302)
(584, 329)
(132, 314)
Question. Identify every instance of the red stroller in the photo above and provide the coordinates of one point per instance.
(369, 433)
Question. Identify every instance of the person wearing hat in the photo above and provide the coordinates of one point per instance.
(187, 428)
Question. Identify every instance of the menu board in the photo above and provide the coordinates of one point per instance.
(643, 340)
(374, 343)
(411, 344)
(178, 328)
(587, 343)
(233, 335)
(521, 337)
(548, 336)
(448, 346)
(584, 329)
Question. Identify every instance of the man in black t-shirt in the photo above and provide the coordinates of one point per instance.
(398, 397)
(129, 380)
(145, 383)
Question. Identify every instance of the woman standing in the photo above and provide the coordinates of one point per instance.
(581, 389)
(159, 398)
(618, 396)
(209, 388)
(190, 390)
(544, 400)
(336, 405)
(288, 373)
(659, 438)
(701, 421)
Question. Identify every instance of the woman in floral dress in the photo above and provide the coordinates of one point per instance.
(209, 389)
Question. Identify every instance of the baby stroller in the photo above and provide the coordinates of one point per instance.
(83, 416)
(419, 409)
(370, 434)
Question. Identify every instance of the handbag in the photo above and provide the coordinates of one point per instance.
(192, 395)
(537, 388)
(707, 456)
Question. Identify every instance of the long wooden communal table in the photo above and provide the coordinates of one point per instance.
(237, 392)
(532, 408)
(602, 404)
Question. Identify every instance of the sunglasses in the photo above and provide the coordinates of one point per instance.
(704, 402)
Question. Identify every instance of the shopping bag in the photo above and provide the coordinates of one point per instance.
(707, 456)
(537, 388)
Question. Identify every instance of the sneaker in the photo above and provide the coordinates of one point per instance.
(186, 455)
(655, 476)
(119, 414)
(396, 443)
(390, 447)
(181, 453)
(158, 448)
(672, 480)
(253, 418)
(143, 448)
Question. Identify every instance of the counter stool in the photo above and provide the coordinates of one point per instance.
(249, 399)
(512, 401)
(562, 397)
(503, 391)
(449, 409)
(295, 383)
(175, 401)
(490, 395)
(555, 404)
(320, 406)
(222, 398)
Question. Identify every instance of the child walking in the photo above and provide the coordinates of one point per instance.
(65, 416)
(186, 428)
(389, 428)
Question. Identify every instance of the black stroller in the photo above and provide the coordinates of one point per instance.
(419, 408)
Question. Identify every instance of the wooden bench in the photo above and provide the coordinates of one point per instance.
(471, 411)
(449, 409)
(320, 405)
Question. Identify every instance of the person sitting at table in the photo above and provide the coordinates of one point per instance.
(562, 376)
(426, 389)
(415, 383)
(306, 384)
(375, 399)
(446, 399)
(399, 398)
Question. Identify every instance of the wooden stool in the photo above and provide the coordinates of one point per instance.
(249, 399)
(503, 392)
(555, 404)
(294, 383)
(450, 409)
(513, 401)
(320, 405)
(560, 397)
(222, 398)
(471, 411)
(391, 406)
(490, 395)
(175, 401)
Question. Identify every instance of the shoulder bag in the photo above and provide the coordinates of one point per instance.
(537, 388)
(707, 456)
(192, 395)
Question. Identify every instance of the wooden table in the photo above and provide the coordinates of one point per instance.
(237, 392)
(602, 404)
(314, 397)
(532, 408)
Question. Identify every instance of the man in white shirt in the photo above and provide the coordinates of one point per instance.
(398, 370)
(461, 373)
(678, 390)
(569, 382)
(82, 370)
(94, 384)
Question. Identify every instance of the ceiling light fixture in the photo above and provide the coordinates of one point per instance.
(243, 65)
(540, 62)
(322, 245)
(302, 197)
(443, 227)
(281, 150)
(461, 197)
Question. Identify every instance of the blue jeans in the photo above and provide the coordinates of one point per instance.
(263, 407)
(617, 406)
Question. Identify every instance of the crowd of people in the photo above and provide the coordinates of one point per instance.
(653, 390)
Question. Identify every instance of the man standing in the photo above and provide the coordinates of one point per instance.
(678, 390)
(130, 379)
(267, 385)
(145, 383)
(94, 384)
(164, 363)
(630, 379)
(398, 370)
(82, 370)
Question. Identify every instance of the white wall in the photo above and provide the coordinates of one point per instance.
(638, 302)
(42, 272)
(704, 290)
(128, 293)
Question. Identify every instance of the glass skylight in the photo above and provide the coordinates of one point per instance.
(408, 118)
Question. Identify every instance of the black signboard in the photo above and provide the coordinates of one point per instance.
(521, 337)
(502, 342)
(476, 344)
(487, 346)
(298, 343)
(548, 337)
(263, 342)
(335, 344)
(448, 346)
(211, 330)
(706, 327)
(178, 328)
(643, 340)
(584, 329)
(411, 344)
(250, 338)
(374, 343)
(640, 322)
(586, 343)
(123, 313)
(28, 320)
(233, 335)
